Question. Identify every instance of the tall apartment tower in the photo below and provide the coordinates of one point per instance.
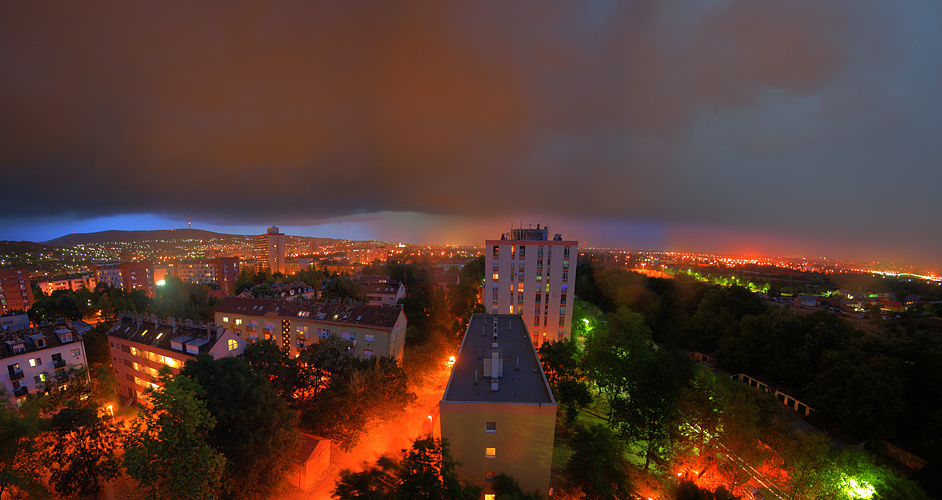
(533, 276)
(15, 290)
(270, 251)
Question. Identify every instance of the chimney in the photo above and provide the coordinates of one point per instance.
(173, 325)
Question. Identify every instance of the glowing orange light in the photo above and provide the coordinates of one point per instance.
(451, 361)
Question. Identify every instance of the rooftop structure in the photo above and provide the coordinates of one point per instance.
(498, 411)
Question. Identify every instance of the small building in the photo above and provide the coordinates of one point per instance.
(372, 330)
(805, 301)
(384, 293)
(36, 358)
(140, 346)
(312, 460)
(498, 412)
(296, 290)
(12, 322)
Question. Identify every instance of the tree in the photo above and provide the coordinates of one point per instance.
(19, 453)
(573, 395)
(425, 471)
(507, 488)
(276, 364)
(81, 450)
(254, 428)
(597, 465)
(167, 451)
(650, 410)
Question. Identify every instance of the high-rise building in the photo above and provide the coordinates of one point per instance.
(16, 294)
(498, 412)
(270, 251)
(530, 275)
(128, 276)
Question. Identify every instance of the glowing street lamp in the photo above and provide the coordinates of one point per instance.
(111, 410)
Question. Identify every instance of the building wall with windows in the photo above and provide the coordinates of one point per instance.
(35, 358)
(270, 251)
(128, 276)
(140, 346)
(222, 270)
(73, 284)
(374, 331)
(14, 321)
(529, 275)
(16, 294)
(498, 412)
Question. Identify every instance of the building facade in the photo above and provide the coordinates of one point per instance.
(72, 284)
(386, 293)
(128, 276)
(140, 346)
(12, 322)
(498, 412)
(374, 331)
(529, 275)
(224, 271)
(35, 358)
(270, 251)
(16, 294)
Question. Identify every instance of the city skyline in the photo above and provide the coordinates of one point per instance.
(800, 129)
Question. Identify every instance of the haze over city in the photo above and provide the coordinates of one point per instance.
(798, 128)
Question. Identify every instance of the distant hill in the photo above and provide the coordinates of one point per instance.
(135, 236)
(23, 247)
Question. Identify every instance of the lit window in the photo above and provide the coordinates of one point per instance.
(490, 452)
(75, 353)
(35, 361)
(490, 427)
(233, 344)
(496, 276)
(225, 319)
(238, 321)
(368, 338)
(490, 496)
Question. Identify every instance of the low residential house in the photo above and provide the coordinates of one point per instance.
(37, 357)
(141, 345)
(296, 290)
(372, 330)
(805, 301)
(12, 322)
(385, 293)
(70, 283)
(312, 460)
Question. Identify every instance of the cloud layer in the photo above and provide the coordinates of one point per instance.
(812, 119)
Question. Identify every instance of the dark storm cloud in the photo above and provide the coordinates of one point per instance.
(726, 112)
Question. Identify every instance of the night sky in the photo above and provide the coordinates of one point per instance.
(783, 128)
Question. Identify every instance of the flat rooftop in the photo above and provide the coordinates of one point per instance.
(523, 380)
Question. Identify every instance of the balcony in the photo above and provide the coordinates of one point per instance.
(22, 391)
(17, 375)
(58, 363)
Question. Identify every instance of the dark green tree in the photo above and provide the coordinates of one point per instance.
(598, 466)
(424, 471)
(507, 488)
(255, 429)
(20, 453)
(167, 449)
(81, 450)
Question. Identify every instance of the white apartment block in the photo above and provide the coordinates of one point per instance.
(530, 275)
(38, 357)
